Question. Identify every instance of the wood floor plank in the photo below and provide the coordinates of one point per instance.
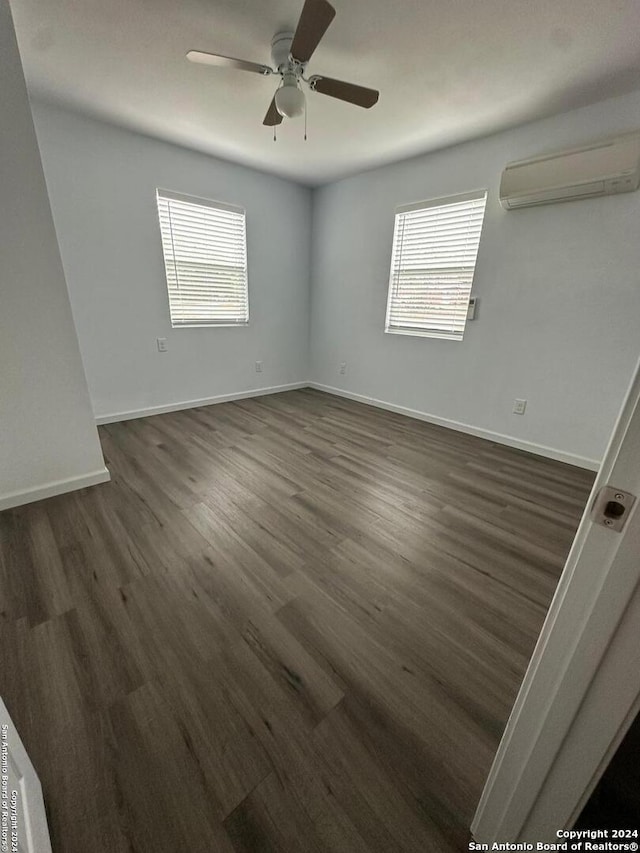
(292, 667)
(270, 821)
(382, 811)
(167, 802)
(384, 681)
(293, 624)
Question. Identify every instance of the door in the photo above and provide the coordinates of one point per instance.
(582, 688)
(23, 822)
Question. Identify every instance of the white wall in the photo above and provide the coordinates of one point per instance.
(559, 287)
(48, 439)
(102, 181)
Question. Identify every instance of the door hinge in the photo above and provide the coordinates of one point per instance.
(612, 507)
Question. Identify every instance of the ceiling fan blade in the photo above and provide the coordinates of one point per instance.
(227, 62)
(272, 117)
(358, 95)
(315, 17)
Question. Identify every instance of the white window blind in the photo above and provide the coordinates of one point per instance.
(435, 245)
(205, 257)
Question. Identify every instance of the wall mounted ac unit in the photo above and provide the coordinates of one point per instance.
(603, 168)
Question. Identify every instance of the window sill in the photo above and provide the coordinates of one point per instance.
(209, 325)
(419, 333)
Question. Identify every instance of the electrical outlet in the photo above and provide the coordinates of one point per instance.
(519, 407)
(343, 367)
(162, 344)
(258, 367)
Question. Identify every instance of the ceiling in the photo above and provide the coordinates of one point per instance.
(447, 71)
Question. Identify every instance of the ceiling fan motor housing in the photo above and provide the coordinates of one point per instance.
(281, 50)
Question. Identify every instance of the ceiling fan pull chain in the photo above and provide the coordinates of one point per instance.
(274, 133)
(305, 122)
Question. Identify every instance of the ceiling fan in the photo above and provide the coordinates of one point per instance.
(290, 53)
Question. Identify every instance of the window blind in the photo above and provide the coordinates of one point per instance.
(435, 245)
(205, 257)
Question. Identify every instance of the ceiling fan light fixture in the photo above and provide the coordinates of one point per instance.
(290, 101)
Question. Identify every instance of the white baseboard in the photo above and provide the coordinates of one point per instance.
(192, 404)
(499, 438)
(50, 490)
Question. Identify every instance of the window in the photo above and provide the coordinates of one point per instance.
(435, 245)
(205, 258)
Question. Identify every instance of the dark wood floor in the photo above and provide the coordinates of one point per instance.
(293, 623)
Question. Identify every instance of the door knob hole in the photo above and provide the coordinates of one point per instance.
(614, 509)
